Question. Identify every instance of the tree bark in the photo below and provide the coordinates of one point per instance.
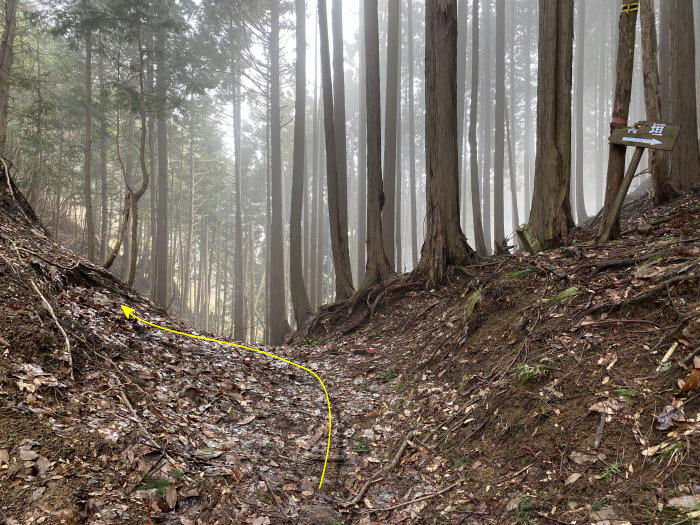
(104, 218)
(362, 153)
(499, 151)
(445, 244)
(378, 267)
(300, 300)
(239, 321)
(87, 148)
(581, 215)
(339, 237)
(339, 112)
(277, 303)
(389, 172)
(461, 74)
(665, 60)
(662, 189)
(480, 244)
(621, 106)
(412, 141)
(527, 155)
(486, 127)
(315, 193)
(515, 219)
(6, 58)
(550, 217)
(162, 208)
(685, 160)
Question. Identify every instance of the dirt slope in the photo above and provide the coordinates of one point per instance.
(479, 402)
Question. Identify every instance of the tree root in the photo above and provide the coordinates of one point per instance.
(427, 496)
(68, 354)
(378, 476)
(643, 296)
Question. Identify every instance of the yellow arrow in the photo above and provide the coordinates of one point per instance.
(129, 312)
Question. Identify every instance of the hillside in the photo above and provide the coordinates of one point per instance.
(556, 388)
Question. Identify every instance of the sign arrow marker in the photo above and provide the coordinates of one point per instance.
(653, 142)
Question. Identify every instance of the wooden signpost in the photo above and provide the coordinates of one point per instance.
(643, 135)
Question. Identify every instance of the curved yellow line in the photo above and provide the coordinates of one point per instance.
(328, 401)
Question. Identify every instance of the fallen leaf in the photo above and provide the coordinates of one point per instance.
(171, 496)
(573, 478)
(27, 454)
(584, 459)
(669, 416)
(608, 406)
(685, 502)
(245, 421)
(692, 382)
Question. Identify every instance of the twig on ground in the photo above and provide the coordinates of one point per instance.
(378, 475)
(68, 354)
(38, 256)
(415, 500)
(599, 431)
(648, 294)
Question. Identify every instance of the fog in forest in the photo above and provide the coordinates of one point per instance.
(183, 144)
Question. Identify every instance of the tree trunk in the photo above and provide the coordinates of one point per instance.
(190, 224)
(104, 218)
(461, 74)
(621, 106)
(445, 244)
(397, 214)
(378, 267)
(499, 151)
(277, 303)
(473, 162)
(550, 217)
(362, 153)
(685, 162)
(665, 60)
(389, 172)
(412, 141)
(137, 194)
(339, 237)
(515, 219)
(162, 208)
(315, 192)
(238, 274)
(87, 148)
(339, 112)
(662, 190)
(150, 119)
(300, 300)
(527, 155)
(6, 58)
(486, 128)
(581, 215)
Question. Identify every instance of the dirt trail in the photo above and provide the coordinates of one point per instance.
(530, 389)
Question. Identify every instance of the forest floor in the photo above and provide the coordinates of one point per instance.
(530, 389)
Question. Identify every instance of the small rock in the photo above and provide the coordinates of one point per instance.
(685, 502)
(319, 515)
(27, 455)
(644, 228)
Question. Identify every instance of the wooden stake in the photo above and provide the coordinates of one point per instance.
(613, 215)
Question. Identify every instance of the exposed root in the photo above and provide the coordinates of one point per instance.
(68, 355)
(378, 476)
(428, 496)
(651, 292)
